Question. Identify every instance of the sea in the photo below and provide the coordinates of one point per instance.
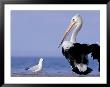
(52, 67)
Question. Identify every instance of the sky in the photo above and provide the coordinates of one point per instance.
(38, 33)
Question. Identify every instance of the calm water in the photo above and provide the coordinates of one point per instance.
(51, 67)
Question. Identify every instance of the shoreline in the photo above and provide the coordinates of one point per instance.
(52, 75)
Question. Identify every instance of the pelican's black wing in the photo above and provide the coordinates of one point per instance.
(95, 52)
(77, 54)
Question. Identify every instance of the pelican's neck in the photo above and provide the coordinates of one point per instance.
(75, 32)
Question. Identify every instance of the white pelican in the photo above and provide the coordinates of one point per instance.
(77, 53)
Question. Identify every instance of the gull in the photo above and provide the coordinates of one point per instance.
(36, 68)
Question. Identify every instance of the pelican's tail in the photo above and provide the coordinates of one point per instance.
(76, 70)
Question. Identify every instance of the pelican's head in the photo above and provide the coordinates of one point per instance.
(75, 23)
(77, 18)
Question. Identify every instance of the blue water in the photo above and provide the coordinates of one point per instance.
(51, 66)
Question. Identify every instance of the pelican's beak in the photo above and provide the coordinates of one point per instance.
(69, 29)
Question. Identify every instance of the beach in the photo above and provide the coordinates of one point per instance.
(52, 67)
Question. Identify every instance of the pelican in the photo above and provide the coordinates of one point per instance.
(36, 68)
(75, 52)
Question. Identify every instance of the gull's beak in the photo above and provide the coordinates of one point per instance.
(69, 29)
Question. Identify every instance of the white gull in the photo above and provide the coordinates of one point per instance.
(36, 68)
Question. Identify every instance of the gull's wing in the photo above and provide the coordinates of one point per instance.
(34, 67)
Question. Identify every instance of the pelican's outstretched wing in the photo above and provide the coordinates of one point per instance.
(95, 52)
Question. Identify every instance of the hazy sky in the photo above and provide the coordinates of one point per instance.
(38, 33)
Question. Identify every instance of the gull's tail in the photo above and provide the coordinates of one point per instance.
(27, 68)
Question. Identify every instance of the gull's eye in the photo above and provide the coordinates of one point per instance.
(73, 19)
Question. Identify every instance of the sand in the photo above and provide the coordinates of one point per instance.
(51, 75)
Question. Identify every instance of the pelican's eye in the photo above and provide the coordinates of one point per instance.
(73, 19)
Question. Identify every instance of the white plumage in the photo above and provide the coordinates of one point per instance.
(36, 68)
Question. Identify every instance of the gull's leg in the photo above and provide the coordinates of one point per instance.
(34, 73)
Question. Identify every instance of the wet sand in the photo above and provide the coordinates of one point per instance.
(51, 75)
